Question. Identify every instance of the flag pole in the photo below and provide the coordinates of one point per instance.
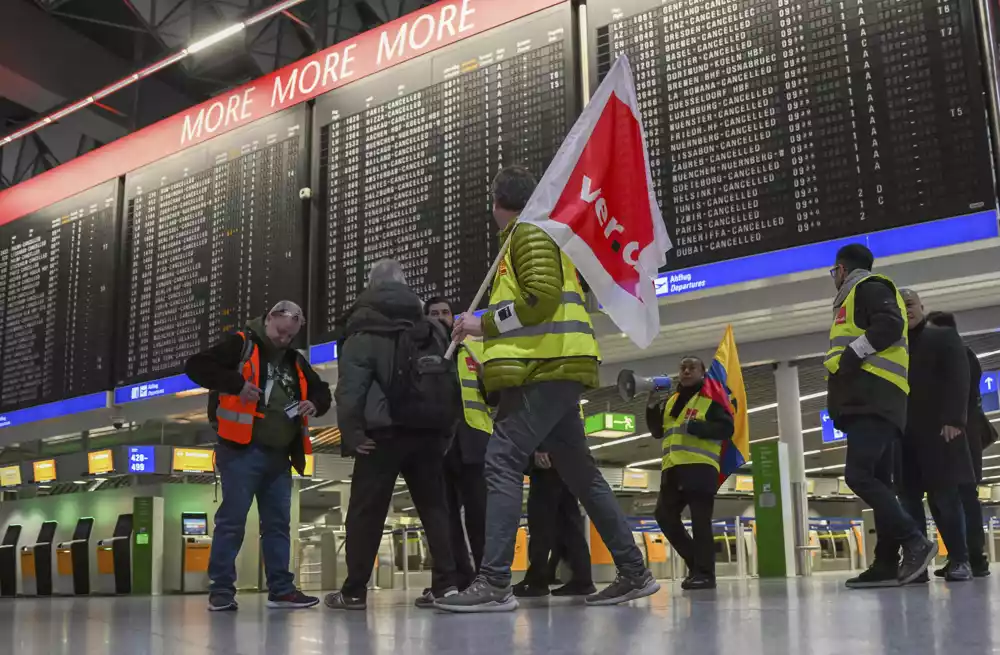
(483, 287)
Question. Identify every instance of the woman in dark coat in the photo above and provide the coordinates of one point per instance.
(935, 449)
(979, 434)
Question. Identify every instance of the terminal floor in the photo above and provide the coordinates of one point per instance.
(815, 616)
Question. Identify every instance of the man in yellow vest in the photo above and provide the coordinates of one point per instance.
(465, 485)
(693, 427)
(540, 354)
(868, 362)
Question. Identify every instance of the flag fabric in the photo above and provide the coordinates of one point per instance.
(597, 202)
(724, 385)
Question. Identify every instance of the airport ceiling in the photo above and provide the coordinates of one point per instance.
(107, 40)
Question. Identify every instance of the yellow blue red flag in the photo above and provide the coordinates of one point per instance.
(724, 384)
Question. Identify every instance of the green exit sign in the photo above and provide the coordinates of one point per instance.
(609, 425)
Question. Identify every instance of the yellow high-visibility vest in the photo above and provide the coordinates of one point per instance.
(474, 407)
(891, 364)
(567, 333)
(680, 447)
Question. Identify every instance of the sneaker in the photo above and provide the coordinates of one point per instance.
(425, 601)
(917, 556)
(624, 589)
(525, 589)
(481, 596)
(574, 589)
(698, 581)
(295, 600)
(222, 603)
(877, 575)
(981, 570)
(338, 601)
(943, 571)
(923, 578)
(959, 572)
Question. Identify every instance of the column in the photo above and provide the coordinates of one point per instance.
(786, 382)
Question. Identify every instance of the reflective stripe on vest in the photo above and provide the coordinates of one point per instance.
(235, 418)
(474, 408)
(568, 332)
(679, 447)
(891, 364)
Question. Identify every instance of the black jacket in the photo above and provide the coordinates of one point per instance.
(939, 396)
(216, 369)
(854, 392)
(977, 425)
(366, 351)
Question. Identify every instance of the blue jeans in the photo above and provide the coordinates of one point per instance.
(546, 416)
(249, 473)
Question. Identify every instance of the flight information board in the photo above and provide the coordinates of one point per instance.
(776, 123)
(214, 236)
(406, 158)
(57, 292)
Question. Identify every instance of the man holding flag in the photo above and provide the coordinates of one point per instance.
(594, 210)
(704, 430)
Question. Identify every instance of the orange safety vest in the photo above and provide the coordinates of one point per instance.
(235, 417)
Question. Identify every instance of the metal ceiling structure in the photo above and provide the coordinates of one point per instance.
(55, 52)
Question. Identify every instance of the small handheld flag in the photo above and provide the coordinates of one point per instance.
(724, 384)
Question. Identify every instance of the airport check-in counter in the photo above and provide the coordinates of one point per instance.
(8, 561)
(36, 562)
(73, 561)
(835, 544)
(114, 560)
(195, 549)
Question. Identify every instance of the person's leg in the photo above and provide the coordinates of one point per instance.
(473, 488)
(975, 538)
(422, 468)
(912, 500)
(888, 471)
(240, 470)
(573, 536)
(372, 485)
(456, 529)
(702, 505)
(946, 507)
(567, 446)
(274, 503)
(543, 499)
(669, 508)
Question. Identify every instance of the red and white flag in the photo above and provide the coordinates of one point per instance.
(597, 202)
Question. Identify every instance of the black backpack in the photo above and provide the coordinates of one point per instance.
(423, 393)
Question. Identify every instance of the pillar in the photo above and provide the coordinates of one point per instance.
(786, 382)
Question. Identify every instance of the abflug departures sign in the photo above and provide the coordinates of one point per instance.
(781, 123)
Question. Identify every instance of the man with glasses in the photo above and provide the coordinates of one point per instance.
(868, 362)
(262, 394)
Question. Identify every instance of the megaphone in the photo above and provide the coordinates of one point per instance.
(630, 384)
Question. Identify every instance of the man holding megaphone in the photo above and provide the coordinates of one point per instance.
(693, 427)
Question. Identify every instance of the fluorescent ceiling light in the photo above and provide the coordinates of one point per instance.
(584, 401)
(811, 396)
(407, 509)
(209, 41)
(988, 354)
(622, 440)
(645, 462)
(271, 11)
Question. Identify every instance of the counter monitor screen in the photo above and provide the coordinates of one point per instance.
(142, 459)
(10, 476)
(194, 460)
(100, 462)
(45, 470)
(194, 525)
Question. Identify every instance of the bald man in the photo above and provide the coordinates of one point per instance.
(263, 393)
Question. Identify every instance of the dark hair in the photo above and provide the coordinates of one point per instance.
(942, 319)
(854, 256)
(512, 188)
(697, 359)
(437, 300)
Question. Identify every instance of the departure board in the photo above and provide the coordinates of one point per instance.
(776, 123)
(57, 292)
(214, 236)
(406, 158)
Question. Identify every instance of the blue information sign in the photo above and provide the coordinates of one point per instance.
(323, 353)
(55, 410)
(988, 389)
(936, 234)
(142, 459)
(154, 389)
(830, 433)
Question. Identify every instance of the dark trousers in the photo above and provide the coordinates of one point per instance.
(554, 519)
(869, 474)
(466, 494)
(949, 517)
(248, 473)
(697, 552)
(547, 415)
(421, 463)
(974, 537)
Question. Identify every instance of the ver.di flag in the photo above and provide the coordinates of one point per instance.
(597, 202)
(724, 385)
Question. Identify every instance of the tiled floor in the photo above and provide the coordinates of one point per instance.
(800, 617)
